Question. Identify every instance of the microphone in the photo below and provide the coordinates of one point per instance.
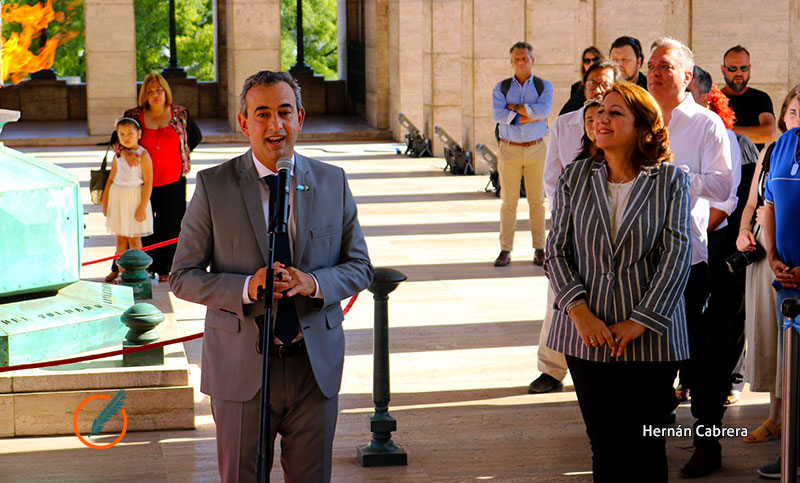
(281, 217)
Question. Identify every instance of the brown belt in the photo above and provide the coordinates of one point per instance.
(524, 145)
(288, 351)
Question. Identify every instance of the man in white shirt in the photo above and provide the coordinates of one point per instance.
(701, 148)
(565, 144)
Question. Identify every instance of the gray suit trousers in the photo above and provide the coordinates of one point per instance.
(298, 409)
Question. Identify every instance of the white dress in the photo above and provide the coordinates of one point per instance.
(124, 197)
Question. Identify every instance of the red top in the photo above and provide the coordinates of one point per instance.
(164, 146)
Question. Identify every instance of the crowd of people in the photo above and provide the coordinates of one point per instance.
(671, 243)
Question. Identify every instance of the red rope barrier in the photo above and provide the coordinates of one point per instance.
(101, 356)
(129, 350)
(144, 249)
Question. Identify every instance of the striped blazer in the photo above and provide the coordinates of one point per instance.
(639, 276)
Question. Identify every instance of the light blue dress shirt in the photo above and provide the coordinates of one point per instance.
(538, 107)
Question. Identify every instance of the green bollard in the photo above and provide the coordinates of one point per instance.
(141, 320)
(381, 450)
(134, 264)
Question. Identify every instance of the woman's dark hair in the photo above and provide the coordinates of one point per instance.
(588, 147)
(590, 50)
(652, 147)
(785, 107)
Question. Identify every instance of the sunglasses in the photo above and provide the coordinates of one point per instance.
(733, 68)
(590, 61)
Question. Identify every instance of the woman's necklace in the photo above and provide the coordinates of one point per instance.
(626, 179)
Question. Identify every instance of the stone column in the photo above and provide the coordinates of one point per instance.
(559, 42)
(110, 62)
(441, 56)
(376, 62)
(253, 41)
(405, 63)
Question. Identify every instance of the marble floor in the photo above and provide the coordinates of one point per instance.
(463, 339)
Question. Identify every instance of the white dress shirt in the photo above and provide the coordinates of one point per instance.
(701, 148)
(729, 205)
(564, 145)
(291, 225)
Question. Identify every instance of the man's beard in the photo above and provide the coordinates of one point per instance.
(736, 86)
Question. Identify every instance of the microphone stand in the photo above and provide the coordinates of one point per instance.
(277, 225)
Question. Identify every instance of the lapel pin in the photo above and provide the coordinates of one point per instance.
(302, 187)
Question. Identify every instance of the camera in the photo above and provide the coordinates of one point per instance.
(740, 260)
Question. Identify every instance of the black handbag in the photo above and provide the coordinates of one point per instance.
(98, 179)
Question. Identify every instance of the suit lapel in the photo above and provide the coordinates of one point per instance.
(303, 205)
(251, 192)
(600, 198)
(641, 191)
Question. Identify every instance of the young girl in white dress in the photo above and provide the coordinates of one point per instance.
(126, 198)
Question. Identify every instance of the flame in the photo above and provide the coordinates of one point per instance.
(17, 59)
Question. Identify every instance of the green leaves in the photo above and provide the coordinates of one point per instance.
(319, 32)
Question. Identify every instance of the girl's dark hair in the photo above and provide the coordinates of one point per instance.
(587, 145)
(128, 121)
(652, 147)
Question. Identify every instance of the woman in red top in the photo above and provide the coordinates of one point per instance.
(169, 135)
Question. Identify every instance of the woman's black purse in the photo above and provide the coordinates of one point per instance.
(98, 179)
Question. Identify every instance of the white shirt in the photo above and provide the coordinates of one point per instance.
(564, 145)
(701, 148)
(292, 224)
(736, 159)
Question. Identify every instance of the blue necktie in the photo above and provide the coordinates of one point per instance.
(286, 325)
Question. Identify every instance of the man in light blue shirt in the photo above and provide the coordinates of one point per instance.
(520, 106)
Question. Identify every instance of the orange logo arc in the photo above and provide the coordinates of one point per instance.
(83, 440)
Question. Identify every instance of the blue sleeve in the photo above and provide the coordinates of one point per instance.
(541, 108)
(500, 113)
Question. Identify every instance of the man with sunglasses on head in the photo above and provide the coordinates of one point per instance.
(754, 115)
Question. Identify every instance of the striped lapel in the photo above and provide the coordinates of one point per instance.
(642, 189)
(598, 182)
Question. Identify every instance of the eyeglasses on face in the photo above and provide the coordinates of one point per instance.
(592, 60)
(734, 68)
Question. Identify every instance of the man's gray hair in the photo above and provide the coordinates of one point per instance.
(268, 78)
(685, 55)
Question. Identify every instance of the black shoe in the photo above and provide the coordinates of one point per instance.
(703, 462)
(544, 383)
(503, 259)
(538, 257)
(771, 471)
(672, 418)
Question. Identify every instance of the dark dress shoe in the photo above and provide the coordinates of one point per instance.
(538, 257)
(544, 383)
(703, 462)
(503, 259)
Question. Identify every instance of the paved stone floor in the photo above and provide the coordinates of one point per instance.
(464, 337)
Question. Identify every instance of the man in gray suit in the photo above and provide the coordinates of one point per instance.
(220, 262)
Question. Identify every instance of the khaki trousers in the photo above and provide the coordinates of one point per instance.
(551, 362)
(514, 162)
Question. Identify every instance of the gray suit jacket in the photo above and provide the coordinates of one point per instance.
(640, 275)
(224, 239)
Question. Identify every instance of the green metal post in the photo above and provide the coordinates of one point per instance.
(381, 450)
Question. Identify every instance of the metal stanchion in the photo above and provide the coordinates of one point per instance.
(790, 308)
(381, 450)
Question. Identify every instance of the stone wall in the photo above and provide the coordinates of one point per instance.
(444, 56)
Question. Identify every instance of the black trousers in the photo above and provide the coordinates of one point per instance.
(169, 206)
(725, 307)
(709, 371)
(616, 423)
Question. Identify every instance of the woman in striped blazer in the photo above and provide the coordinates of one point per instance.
(618, 259)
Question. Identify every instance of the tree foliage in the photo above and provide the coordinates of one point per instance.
(194, 37)
(320, 36)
